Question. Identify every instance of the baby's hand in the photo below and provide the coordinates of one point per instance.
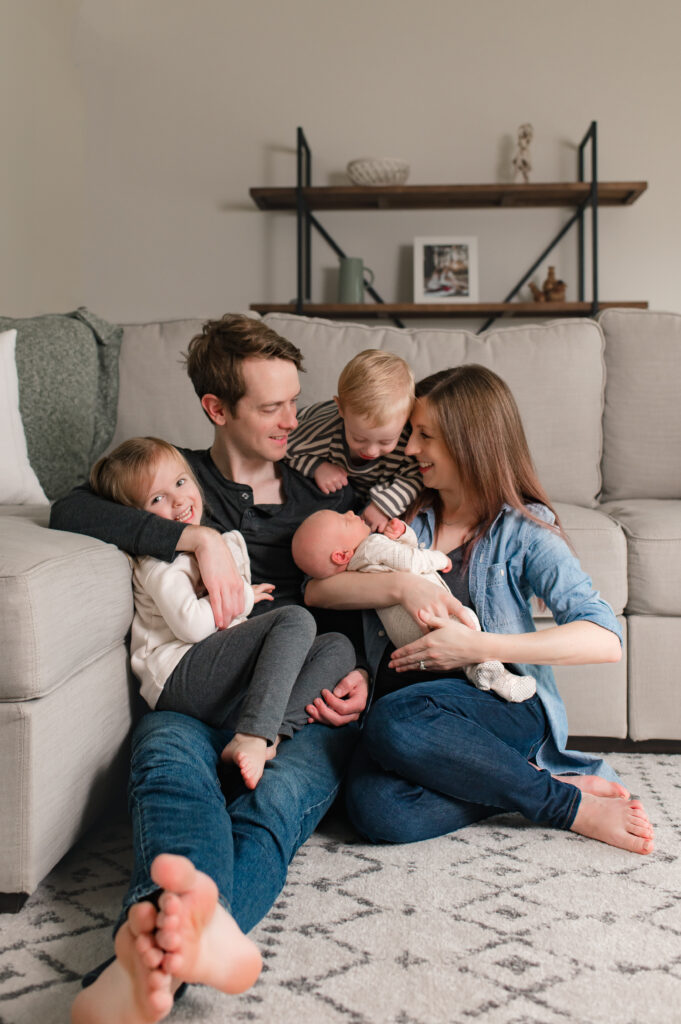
(374, 518)
(329, 477)
(394, 529)
(262, 592)
(448, 566)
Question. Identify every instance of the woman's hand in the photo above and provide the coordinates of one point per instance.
(422, 598)
(448, 645)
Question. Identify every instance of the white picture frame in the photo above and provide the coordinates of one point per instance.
(446, 269)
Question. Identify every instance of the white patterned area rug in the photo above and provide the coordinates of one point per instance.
(503, 923)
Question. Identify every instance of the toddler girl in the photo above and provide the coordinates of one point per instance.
(256, 676)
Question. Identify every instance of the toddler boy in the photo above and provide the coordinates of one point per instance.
(360, 437)
(327, 543)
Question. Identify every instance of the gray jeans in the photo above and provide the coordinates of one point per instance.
(258, 676)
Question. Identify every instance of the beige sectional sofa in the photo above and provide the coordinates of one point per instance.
(601, 403)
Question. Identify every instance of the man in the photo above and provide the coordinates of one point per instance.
(218, 865)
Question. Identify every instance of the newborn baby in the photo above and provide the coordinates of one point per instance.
(327, 543)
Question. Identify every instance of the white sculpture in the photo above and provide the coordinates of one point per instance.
(521, 160)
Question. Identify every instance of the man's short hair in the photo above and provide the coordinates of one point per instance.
(215, 356)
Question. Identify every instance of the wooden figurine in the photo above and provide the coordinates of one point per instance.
(553, 290)
(521, 160)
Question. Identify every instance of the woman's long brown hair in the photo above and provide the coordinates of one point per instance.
(481, 426)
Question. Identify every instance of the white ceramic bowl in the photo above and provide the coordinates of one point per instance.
(370, 171)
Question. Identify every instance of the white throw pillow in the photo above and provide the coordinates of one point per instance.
(18, 483)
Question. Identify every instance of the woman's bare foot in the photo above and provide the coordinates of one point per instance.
(595, 785)
(202, 942)
(134, 989)
(249, 754)
(621, 823)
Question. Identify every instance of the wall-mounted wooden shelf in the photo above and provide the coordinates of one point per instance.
(453, 197)
(335, 311)
(578, 196)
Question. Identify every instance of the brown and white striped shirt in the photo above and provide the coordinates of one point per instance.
(391, 481)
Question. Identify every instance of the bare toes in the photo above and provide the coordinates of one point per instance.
(170, 902)
(643, 846)
(149, 953)
(172, 964)
(169, 940)
(641, 830)
(142, 918)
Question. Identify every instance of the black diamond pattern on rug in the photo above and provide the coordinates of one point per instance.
(503, 923)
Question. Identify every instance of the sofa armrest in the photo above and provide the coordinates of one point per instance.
(65, 600)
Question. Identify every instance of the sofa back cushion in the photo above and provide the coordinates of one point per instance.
(555, 370)
(642, 418)
(155, 394)
(67, 368)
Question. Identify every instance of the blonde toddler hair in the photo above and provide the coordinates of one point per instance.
(376, 384)
(122, 475)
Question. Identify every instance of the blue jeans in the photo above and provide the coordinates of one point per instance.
(245, 841)
(437, 756)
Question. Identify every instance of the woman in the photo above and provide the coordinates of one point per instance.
(437, 754)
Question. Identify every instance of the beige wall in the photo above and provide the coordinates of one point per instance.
(41, 158)
(133, 129)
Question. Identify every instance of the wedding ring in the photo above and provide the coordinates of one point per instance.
(422, 665)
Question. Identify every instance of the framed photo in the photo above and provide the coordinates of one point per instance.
(446, 269)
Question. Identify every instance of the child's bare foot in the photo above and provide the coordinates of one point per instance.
(249, 754)
(134, 989)
(202, 942)
(595, 785)
(621, 823)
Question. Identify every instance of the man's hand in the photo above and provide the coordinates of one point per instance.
(374, 518)
(394, 529)
(218, 572)
(345, 703)
(329, 477)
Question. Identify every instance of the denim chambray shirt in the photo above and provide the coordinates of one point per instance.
(515, 559)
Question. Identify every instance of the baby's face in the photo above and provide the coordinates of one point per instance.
(172, 493)
(349, 531)
(367, 442)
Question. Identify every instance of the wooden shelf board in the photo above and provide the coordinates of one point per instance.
(442, 309)
(435, 197)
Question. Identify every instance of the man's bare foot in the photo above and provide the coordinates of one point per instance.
(621, 823)
(249, 754)
(202, 942)
(134, 989)
(595, 785)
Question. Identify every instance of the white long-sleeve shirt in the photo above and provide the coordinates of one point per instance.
(378, 553)
(170, 616)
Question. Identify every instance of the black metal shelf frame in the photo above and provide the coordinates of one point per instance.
(306, 220)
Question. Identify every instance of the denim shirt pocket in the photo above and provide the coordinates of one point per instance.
(497, 575)
(505, 609)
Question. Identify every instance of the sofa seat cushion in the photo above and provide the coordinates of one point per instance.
(555, 371)
(653, 531)
(600, 545)
(65, 600)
